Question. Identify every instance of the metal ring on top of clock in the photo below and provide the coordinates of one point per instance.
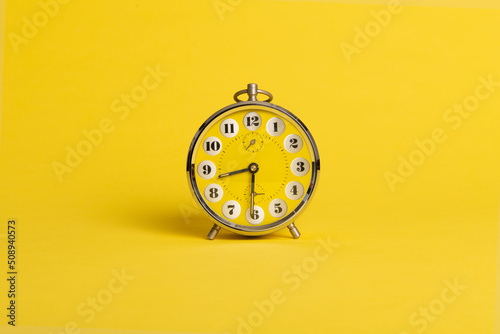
(252, 93)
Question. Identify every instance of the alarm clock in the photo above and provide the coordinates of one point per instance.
(253, 166)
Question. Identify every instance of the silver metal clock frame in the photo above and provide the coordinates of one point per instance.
(219, 222)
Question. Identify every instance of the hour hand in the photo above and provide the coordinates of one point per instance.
(233, 172)
(252, 168)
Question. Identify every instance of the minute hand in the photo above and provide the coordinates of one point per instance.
(233, 172)
(252, 197)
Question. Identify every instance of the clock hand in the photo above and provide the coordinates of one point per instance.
(252, 197)
(233, 172)
(251, 143)
(252, 168)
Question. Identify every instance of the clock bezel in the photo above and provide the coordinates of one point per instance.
(256, 230)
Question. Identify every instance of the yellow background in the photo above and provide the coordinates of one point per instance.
(127, 204)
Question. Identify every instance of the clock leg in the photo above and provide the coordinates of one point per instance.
(213, 232)
(293, 230)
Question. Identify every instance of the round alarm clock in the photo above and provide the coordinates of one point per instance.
(253, 166)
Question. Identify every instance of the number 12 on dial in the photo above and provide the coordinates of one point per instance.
(253, 167)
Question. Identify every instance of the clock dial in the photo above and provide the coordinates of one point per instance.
(254, 157)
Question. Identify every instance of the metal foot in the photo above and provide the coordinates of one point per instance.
(213, 232)
(293, 230)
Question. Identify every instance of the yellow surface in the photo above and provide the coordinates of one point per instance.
(394, 243)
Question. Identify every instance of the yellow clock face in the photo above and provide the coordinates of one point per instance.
(253, 156)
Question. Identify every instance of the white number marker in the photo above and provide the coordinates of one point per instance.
(213, 192)
(229, 128)
(275, 126)
(300, 166)
(206, 169)
(277, 208)
(212, 146)
(252, 121)
(231, 209)
(294, 190)
(258, 216)
(293, 143)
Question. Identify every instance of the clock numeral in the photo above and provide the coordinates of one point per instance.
(277, 208)
(252, 121)
(300, 166)
(231, 209)
(293, 143)
(212, 146)
(229, 128)
(275, 126)
(206, 169)
(213, 193)
(257, 217)
(294, 190)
